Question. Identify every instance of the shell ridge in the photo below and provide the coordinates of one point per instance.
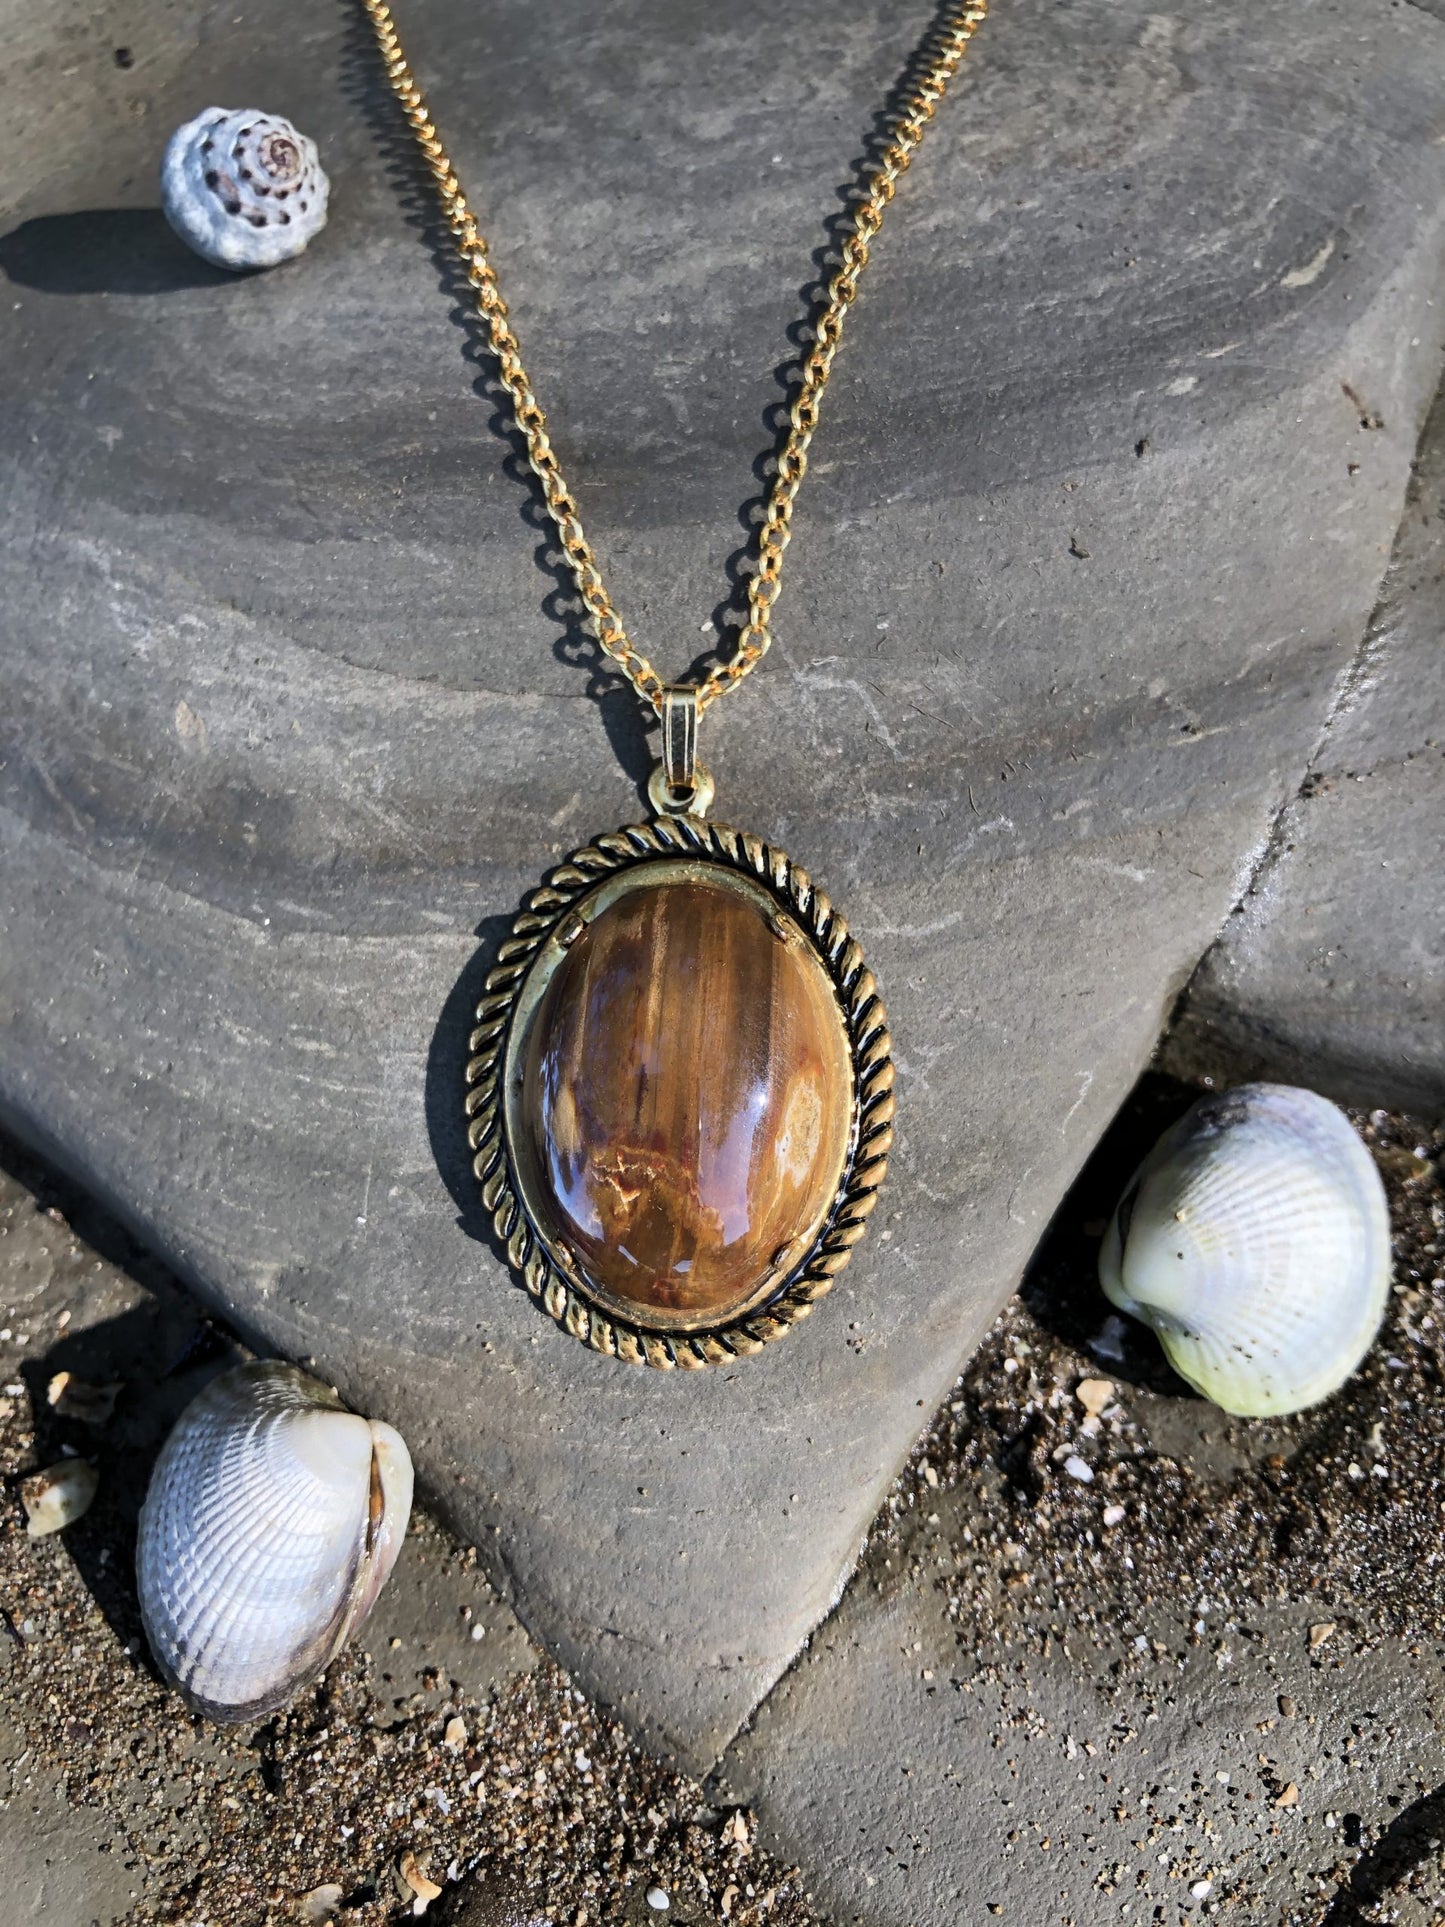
(1255, 1239)
(240, 1552)
(256, 1557)
(243, 188)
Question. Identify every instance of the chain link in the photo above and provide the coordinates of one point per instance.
(923, 91)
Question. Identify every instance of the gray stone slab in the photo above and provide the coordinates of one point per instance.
(59, 1864)
(913, 1792)
(293, 703)
(1202, 1682)
(118, 1804)
(1331, 972)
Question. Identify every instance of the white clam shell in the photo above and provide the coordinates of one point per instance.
(243, 188)
(272, 1520)
(1255, 1239)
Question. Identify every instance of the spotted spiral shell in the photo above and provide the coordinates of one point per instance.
(243, 188)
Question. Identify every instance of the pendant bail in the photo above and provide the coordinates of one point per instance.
(680, 785)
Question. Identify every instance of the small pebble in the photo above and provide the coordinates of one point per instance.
(1290, 1796)
(1320, 1633)
(1113, 1515)
(1094, 1394)
(1287, 1707)
(658, 1899)
(735, 1830)
(73, 1398)
(1079, 1469)
(1108, 1342)
(1202, 1889)
(420, 1885)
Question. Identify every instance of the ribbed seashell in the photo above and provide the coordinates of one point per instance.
(243, 188)
(272, 1520)
(1255, 1240)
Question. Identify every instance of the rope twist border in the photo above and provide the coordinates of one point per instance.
(873, 1100)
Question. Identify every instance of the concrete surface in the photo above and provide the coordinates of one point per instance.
(294, 702)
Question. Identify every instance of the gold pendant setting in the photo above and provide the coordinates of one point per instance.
(680, 1091)
(655, 1094)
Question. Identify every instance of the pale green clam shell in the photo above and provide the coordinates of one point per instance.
(1255, 1240)
(271, 1523)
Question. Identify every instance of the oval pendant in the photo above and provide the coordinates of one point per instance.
(680, 1093)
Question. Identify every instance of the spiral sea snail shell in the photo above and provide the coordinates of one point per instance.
(272, 1521)
(243, 188)
(1255, 1240)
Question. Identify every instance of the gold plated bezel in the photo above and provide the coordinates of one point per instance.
(513, 990)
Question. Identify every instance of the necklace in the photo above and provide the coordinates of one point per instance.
(680, 1088)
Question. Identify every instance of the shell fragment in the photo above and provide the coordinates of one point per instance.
(58, 1496)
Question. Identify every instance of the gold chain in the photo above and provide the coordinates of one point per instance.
(944, 52)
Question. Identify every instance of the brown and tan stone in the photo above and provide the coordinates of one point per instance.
(687, 1099)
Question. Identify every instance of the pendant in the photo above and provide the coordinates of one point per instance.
(680, 1090)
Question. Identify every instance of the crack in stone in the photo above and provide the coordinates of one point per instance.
(1350, 682)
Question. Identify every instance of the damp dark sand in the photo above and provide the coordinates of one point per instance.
(442, 1735)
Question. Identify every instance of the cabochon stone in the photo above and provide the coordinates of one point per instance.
(1332, 970)
(686, 1098)
(296, 700)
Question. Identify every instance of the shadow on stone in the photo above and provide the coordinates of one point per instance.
(1411, 1839)
(365, 86)
(1061, 1287)
(104, 250)
(446, 1119)
(729, 614)
(158, 1353)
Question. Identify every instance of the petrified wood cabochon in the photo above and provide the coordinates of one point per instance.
(687, 1098)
